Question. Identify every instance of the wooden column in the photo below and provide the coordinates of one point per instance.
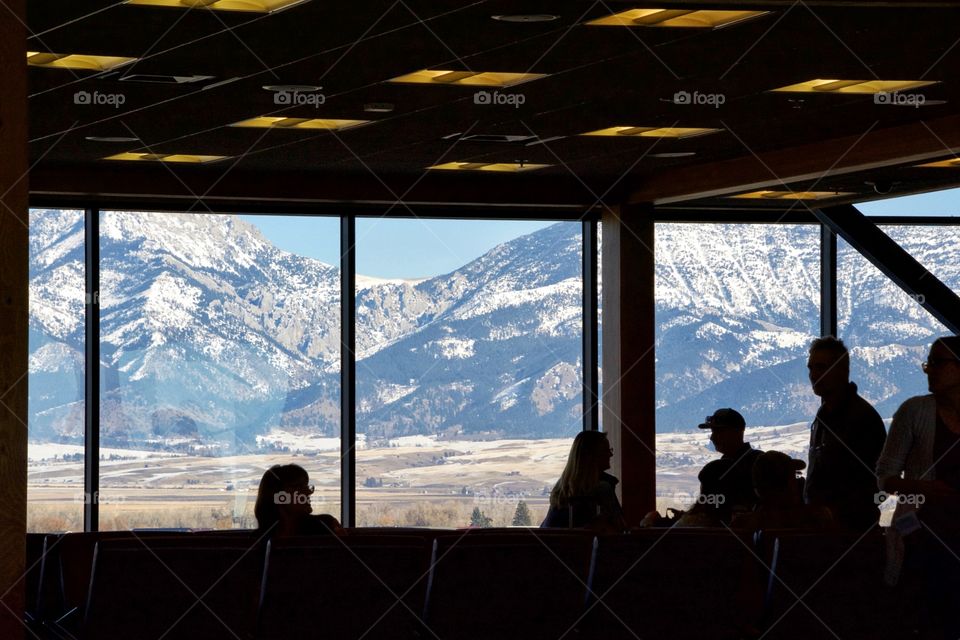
(13, 315)
(628, 354)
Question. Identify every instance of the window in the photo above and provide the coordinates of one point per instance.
(220, 355)
(736, 308)
(888, 331)
(55, 451)
(469, 368)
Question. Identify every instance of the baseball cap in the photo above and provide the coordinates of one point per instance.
(724, 418)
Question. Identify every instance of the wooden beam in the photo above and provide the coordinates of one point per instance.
(895, 263)
(14, 280)
(103, 184)
(901, 145)
(628, 392)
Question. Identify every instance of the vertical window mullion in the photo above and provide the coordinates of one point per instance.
(591, 408)
(348, 395)
(91, 427)
(828, 281)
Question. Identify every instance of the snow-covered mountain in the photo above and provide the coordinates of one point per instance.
(211, 336)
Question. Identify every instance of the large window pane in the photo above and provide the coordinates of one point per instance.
(890, 332)
(219, 357)
(736, 309)
(56, 383)
(469, 368)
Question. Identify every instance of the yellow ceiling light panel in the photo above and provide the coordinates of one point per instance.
(821, 85)
(683, 18)
(165, 157)
(504, 167)
(791, 195)
(467, 78)
(327, 124)
(953, 163)
(653, 132)
(250, 6)
(76, 61)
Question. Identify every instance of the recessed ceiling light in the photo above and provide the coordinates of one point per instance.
(791, 195)
(254, 6)
(165, 157)
(467, 78)
(652, 132)
(111, 139)
(684, 18)
(75, 61)
(293, 88)
(853, 86)
(271, 122)
(378, 107)
(675, 154)
(506, 167)
(952, 163)
(529, 17)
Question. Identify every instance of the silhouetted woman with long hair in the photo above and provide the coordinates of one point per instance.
(585, 496)
(283, 504)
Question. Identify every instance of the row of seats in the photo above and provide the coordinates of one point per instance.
(451, 585)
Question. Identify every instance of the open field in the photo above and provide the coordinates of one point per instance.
(416, 481)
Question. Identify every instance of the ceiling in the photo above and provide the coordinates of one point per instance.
(596, 77)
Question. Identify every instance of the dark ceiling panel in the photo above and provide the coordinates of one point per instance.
(598, 77)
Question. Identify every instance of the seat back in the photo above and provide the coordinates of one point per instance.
(32, 577)
(673, 583)
(528, 584)
(824, 584)
(347, 588)
(174, 588)
(72, 556)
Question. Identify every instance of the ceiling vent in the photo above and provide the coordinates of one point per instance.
(161, 79)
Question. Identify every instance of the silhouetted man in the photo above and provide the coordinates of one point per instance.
(726, 485)
(846, 439)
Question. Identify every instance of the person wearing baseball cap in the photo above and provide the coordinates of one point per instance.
(726, 485)
(777, 485)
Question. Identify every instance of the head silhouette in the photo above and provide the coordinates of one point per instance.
(943, 366)
(284, 495)
(589, 457)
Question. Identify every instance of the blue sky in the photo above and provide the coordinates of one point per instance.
(937, 203)
(394, 248)
(418, 248)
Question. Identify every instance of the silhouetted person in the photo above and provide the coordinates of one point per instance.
(283, 504)
(780, 499)
(924, 446)
(726, 485)
(846, 438)
(585, 495)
